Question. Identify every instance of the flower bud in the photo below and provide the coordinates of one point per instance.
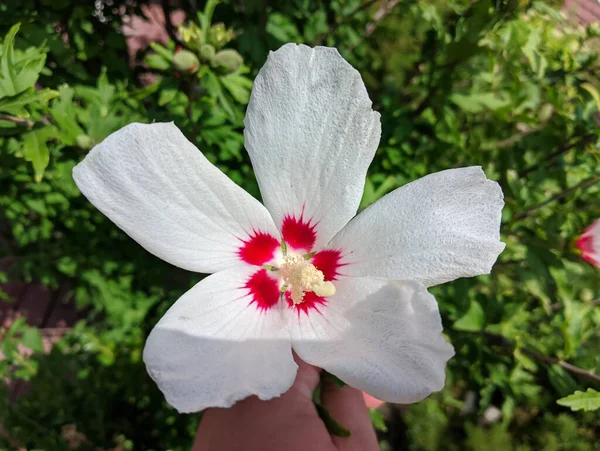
(228, 59)
(191, 36)
(85, 142)
(186, 61)
(219, 36)
(207, 52)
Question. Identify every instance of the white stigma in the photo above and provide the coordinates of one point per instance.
(302, 276)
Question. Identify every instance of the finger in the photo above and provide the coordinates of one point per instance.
(347, 406)
(288, 422)
(307, 379)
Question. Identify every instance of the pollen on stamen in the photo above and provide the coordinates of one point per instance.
(302, 277)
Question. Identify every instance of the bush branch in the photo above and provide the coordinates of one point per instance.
(584, 184)
(500, 340)
(17, 120)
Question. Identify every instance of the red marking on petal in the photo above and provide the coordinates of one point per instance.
(263, 289)
(258, 249)
(328, 261)
(298, 233)
(310, 302)
(587, 245)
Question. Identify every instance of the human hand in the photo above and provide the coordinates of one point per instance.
(290, 422)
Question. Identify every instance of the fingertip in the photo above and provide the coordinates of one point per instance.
(307, 378)
(347, 406)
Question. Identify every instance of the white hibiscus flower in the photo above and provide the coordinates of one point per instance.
(347, 294)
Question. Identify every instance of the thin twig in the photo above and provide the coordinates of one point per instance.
(501, 340)
(379, 15)
(583, 184)
(383, 11)
(17, 120)
(557, 305)
(583, 141)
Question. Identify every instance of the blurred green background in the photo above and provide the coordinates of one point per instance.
(510, 85)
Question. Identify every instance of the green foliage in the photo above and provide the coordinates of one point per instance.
(588, 400)
(508, 85)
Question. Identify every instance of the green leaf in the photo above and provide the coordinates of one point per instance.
(476, 103)
(156, 61)
(35, 149)
(473, 320)
(15, 105)
(332, 426)
(332, 378)
(18, 74)
(63, 113)
(32, 339)
(588, 400)
(378, 420)
(167, 95)
(593, 92)
(162, 51)
(238, 86)
(8, 82)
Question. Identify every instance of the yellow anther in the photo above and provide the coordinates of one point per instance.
(302, 276)
(324, 289)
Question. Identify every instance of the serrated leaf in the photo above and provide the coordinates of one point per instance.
(15, 105)
(7, 74)
(238, 86)
(473, 320)
(477, 102)
(18, 74)
(587, 400)
(63, 113)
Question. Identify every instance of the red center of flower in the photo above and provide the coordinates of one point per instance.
(264, 285)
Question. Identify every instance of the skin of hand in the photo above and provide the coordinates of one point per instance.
(290, 422)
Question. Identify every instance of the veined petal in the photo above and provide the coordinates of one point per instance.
(381, 337)
(159, 188)
(311, 135)
(439, 228)
(216, 346)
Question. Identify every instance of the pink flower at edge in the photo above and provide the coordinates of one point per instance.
(589, 243)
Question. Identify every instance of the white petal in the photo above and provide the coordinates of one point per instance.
(159, 188)
(311, 135)
(214, 347)
(439, 228)
(381, 337)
